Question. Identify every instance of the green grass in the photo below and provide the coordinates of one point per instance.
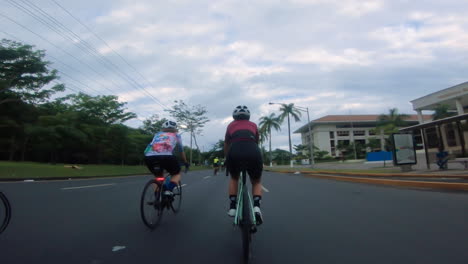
(32, 170)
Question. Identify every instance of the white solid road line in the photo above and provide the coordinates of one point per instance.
(265, 189)
(206, 177)
(184, 185)
(88, 186)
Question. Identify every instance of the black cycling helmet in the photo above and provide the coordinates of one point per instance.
(241, 112)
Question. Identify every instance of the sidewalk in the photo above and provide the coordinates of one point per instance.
(352, 165)
(455, 178)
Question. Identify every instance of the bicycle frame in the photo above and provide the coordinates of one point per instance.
(242, 195)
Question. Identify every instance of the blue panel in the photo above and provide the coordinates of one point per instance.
(379, 156)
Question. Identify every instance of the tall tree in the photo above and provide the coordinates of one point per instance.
(25, 73)
(286, 111)
(190, 118)
(267, 123)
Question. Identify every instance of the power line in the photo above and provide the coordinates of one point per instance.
(98, 37)
(81, 44)
(56, 46)
(63, 73)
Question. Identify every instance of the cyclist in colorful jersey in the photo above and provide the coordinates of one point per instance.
(241, 147)
(160, 153)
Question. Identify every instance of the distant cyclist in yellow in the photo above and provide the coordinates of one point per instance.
(216, 163)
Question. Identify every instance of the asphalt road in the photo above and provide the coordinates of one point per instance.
(307, 220)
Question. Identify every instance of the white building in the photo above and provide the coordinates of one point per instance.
(449, 133)
(330, 130)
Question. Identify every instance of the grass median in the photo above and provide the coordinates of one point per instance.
(33, 170)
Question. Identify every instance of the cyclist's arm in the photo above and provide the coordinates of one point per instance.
(181, 148)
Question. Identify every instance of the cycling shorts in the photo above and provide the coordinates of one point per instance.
(245, 153)
(165, 162)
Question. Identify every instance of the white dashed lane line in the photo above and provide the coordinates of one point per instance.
(265, 189)
(88, 186)
(206, 177)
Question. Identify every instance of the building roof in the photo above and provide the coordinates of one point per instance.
(337, 119)
(443, 97)
(361, 118)
(446, 120)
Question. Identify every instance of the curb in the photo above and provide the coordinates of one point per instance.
(399, 183)
(403, 175)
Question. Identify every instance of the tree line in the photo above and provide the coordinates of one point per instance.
(38, 125)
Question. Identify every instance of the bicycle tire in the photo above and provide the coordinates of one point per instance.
(176, 203)
(5, 213)
(151, 206)
(246, 225)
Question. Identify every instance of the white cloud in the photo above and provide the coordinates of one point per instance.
(328, 60)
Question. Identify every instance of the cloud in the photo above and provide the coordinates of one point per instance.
(328, 60)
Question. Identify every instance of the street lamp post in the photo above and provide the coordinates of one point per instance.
(311, 144)
(311, 138)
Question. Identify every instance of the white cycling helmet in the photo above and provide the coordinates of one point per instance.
(169, 124)
(241, 112)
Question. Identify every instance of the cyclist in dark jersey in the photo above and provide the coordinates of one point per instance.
(241, 148)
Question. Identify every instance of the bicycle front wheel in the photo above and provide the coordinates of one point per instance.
(176, 203)
(151, 206)
(5, 212)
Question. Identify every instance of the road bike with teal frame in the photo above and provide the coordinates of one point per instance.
(245, 217)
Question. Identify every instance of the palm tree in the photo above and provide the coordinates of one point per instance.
(442, 111)
(266, 124)
(286, 110)
(389, 123)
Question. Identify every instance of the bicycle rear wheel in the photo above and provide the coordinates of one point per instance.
(177, 198)
(5, 212)
(246, 226)
(151, 206)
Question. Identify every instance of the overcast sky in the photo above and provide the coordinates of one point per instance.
(332, 56)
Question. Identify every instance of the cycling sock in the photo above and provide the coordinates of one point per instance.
(257, 199)
(233, 199)
(170, 186)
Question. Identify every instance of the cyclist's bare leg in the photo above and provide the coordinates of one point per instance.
(176, 178)
(233, 185)
(256, 187)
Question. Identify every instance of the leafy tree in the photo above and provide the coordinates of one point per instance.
(281, 157)
(153, 124)
(266, 124)
(101, 109)
(287, 110)
(442, 111)
(190, 118)
(24, 73)
(300, 149)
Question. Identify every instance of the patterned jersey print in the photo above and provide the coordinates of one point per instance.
(164, 143)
